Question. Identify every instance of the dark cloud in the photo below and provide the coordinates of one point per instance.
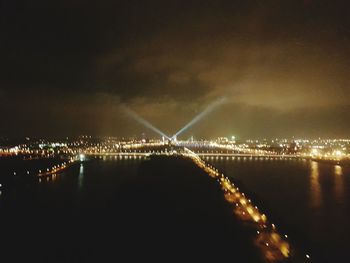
(71, 63)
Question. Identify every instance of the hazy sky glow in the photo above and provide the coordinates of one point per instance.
(67, 67)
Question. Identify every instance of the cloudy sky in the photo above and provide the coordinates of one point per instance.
(70, 67)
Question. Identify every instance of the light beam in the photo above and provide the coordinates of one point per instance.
(200, 116)
(141, 120)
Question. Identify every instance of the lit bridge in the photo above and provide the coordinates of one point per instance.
(203, 154)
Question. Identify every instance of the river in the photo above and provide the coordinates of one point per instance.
(308, 200)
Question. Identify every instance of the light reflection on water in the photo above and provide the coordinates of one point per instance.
(315, 187)
(338, 183)
(81, 176)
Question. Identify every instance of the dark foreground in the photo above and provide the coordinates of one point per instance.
(166, 210)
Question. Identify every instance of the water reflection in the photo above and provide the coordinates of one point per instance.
(315, 187)
(53, 177)
(81, 176)
(338, 183)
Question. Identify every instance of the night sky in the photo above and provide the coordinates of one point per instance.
(68, 66)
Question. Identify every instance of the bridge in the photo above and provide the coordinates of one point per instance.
(273, 245)
(145, 153)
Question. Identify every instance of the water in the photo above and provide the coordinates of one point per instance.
(64, 216)
(59, 218)
(109, 210)
(308, 200)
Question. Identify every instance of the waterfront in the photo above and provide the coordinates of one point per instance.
(307, 200)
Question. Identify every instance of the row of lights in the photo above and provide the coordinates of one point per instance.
(246, 209)
(250, 158)
(51, 170)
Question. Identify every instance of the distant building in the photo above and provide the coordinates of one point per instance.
(222, 140)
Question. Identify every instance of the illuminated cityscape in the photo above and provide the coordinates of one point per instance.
(274, 245)
(186, 131)
(332, 150)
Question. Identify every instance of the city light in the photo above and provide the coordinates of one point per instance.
(314, 152)
(338, 153)
(82, 157)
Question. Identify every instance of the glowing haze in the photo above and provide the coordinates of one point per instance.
(144, 122)
(200, 116)
(67, 66)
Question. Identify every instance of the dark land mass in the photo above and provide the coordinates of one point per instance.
(168, 210)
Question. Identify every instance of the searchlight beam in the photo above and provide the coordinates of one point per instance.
(141, 120)
(200, 116)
